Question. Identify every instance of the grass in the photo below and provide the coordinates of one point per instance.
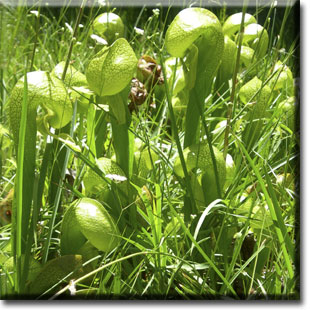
(243, 245)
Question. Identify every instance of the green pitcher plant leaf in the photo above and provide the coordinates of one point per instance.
(87, 219)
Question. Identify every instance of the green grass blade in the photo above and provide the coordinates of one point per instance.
(19, 231)
(275, 214)
(58, 194)
(178, 143)
(24, 188)
(41, 183)
(91, 141)
(205, 256)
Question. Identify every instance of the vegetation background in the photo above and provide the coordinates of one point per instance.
(52, 51)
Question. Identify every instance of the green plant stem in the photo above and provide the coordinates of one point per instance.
(58, 194)
(37, 28)
(73, 39)
(98, 270)
(207, 132)
(177, 140)
(234, 82)
(120, 131)
(20, 232)
(280, 228)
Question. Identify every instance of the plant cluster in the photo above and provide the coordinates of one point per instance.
(151, 163)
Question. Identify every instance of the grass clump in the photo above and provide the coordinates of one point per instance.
(162, 160)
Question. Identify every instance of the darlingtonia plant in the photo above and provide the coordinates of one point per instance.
(202, 174)
(113, 190)
(153, 144)
(109, 74)
(257, 93)
(36, 89)
(111, 70)
(255, 37)
(254, 44)
(109, 26)
(195, 37)
(44, 90)
(87, 220)
(257, 96)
